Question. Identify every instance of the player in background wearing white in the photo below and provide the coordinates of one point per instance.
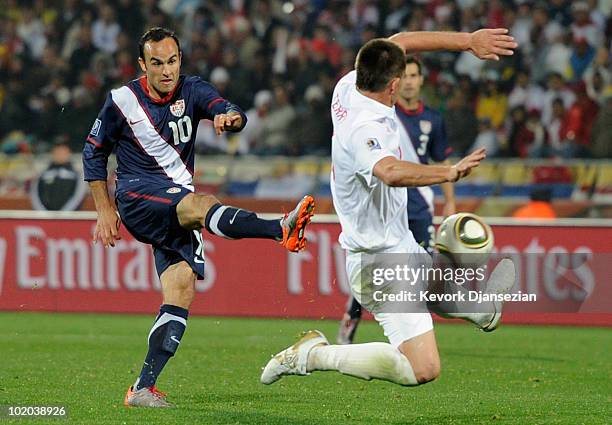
(368, 187)
(422, 140)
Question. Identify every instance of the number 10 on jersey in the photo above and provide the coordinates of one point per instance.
(181, 130)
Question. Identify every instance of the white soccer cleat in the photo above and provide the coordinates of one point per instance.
(292, 360)
(500, 282)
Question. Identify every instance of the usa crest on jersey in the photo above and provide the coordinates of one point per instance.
(178, 108)
(425, 126)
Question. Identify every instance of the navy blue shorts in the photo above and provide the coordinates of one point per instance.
(149, 214)
(424, 232)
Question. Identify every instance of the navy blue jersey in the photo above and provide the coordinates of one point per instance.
(153, 139)
(423, 139)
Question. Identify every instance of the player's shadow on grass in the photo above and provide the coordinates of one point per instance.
(504, 356)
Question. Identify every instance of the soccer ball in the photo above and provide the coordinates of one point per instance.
(465, 238)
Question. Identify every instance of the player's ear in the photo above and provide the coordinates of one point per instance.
(142, 64)
(394, 85)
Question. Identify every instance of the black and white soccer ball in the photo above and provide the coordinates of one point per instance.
(465, 238)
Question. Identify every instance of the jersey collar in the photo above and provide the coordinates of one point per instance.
(419, 110)
(373, 105)
(143, 84)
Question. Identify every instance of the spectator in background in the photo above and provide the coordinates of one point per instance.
(556, 89)
(312, 128)
(75, 119)
(525, 93)
(105, 30)
(535, 135)
(582, 26)
(82, 55)
(582, 56)
(46, 118)
(492, 104)
(60, 187)
(73, 37)
(207, 141)
(539, 206)
(601, 135)
(276, 127)
(239, 90)
(220, 78)
(461, 123)
(581, 116)
(556, 54)
(486, 138)
(518, 135)
(556, 129)
(598, 76)
(32, 31)
(249, 136)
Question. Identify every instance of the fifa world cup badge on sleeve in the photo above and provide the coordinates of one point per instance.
(373, 144)
(95, 130)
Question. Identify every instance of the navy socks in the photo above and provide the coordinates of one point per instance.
(236, 223)
(164, 339)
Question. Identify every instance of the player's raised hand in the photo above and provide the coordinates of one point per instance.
(107, 227)
(229, 121)
(491, 43)
(465, 166)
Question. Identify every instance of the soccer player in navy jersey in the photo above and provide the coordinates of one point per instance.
(423, 139)
(150, 124)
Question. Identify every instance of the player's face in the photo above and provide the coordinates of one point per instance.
(411, 83)
(162, 66)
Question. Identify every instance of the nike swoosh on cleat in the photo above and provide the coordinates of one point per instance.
(175, 339)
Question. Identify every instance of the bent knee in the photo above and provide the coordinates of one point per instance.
(427, 372)
(192, 210)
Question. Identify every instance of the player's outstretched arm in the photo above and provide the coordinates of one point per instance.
(107, 226)
(484, 43)
(394, 172)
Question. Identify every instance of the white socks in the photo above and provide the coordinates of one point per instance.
(466, 311)
(366, 361)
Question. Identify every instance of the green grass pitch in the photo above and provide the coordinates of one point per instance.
(517, 375)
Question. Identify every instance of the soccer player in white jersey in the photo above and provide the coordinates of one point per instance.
(368, 187)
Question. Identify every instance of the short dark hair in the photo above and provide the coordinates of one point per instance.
(413, 59)
(156, 34)
(378, 62)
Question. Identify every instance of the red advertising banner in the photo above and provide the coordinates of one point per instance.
(51, 265)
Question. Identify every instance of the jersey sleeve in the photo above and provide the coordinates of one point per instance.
(439, 149)
(368, 146)
(100, 141)
(210, 103)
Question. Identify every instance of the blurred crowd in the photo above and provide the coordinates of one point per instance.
(279, 60)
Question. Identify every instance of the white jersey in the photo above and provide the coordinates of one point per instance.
(373, 215)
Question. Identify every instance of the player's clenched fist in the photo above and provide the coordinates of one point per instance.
(464, 167)
(229, 121)
(107, 227)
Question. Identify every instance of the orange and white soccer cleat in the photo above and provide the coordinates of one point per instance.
(145, 397)
(294, 224)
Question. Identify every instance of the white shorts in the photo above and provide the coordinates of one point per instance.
(398, 327)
